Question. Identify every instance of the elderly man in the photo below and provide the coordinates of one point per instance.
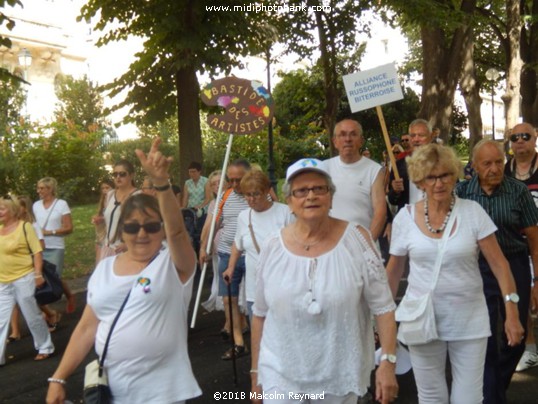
(230, 205)
(359, 197)
(512, 209)
(523, 167)
(402, 191)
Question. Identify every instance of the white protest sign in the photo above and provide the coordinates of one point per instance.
(370, 88)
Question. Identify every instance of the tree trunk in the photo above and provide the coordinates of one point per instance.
(513, 65)
(471, 93)
(188, 115)
(441, 66)
(529, 56)
(329, 79)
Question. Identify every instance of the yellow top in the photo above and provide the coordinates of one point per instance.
(15, 258)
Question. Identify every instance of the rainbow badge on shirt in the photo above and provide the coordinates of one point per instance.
(144, 282)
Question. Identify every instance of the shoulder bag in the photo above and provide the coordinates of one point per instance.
(96, 388)
(51, 291)
(416, 315)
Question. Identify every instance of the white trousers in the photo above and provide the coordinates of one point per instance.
(276, 396)
(21, 292)
(467, 360)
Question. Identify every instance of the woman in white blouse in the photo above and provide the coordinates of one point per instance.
(461, 315)
(318, 281)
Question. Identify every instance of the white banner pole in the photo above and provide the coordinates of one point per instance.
(212, 230)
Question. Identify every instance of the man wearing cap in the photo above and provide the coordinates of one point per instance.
(359, 197)
(523, 167)
(402, 191)
(510, 206)
(230, 207)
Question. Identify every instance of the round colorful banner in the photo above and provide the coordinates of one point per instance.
(248, 105)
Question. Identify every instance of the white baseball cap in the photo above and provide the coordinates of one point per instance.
(303, 165)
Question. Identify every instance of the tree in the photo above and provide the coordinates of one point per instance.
(335, 24)
(445, 26)
(79, 102)
(182, 38)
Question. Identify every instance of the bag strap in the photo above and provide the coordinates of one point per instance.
(26, 238)
(221, 205)
(105, 348)
(252, 231)
(50, 212)
(444, 240)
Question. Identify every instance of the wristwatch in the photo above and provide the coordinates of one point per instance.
(388, 357)
(512, 297)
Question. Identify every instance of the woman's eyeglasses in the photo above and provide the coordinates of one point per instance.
(303, 192)
(121, 174)
(255, 194)
(516, 136)
(150, 228)
(432, 179)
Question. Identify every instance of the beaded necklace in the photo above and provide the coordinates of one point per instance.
(447, 217)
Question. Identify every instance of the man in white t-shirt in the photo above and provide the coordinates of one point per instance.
(359, 197)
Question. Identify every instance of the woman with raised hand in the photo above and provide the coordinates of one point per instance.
(147, 359)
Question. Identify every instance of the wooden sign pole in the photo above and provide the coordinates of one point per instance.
(387, 141)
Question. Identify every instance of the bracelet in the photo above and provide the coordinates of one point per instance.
(38, 276)
(54, 380)
(254, 371)
(162, 188)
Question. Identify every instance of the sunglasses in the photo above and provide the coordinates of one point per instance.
(525, 136)
(121, 174)
(150, 228)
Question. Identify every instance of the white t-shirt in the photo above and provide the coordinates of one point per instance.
(57, 210)
(147, 359)
(333, 351)
(263, 224)
(458, 299)
(352, 201)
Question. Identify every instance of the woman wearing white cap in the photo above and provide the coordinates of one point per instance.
(318, 281)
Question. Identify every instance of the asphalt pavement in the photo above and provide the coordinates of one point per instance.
(23, 381)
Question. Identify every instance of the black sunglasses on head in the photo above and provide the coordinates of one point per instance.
(515, 136)
(150, 228)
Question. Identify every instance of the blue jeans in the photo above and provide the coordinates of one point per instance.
(239, 274)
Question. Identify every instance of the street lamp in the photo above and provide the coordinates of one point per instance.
(25, 60)
(492, 75)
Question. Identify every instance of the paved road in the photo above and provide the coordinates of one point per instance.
(23, 381)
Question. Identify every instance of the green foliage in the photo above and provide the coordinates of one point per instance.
(79, 102)
(179, 34)
(79, 245)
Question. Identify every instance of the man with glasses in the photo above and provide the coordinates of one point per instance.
(402, 191)
(234, 204)
(512, 209)
(523, 166)
(360, 196)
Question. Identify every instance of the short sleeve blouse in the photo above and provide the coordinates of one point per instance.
(458, 299)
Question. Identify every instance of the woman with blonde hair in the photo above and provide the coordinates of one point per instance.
(442, 235)
(54, 219)
(20, 273)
